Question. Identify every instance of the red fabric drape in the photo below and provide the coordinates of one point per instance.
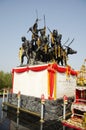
(51, 84)
(52, 69)
(54, 66)
(20, 70)
(72, 72)
(35, 68)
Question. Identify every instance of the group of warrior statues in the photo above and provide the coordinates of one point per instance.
(44, 48)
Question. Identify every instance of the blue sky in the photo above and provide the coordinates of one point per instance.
(16, 16)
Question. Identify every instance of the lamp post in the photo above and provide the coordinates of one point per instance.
(65, 100)
(42, 108)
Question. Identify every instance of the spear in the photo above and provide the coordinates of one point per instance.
(44, 21)
(71, 42)
(49, 29)
(37, 19)
(66, 42)
(44, 24)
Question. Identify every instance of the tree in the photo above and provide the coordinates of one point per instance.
(5, 80)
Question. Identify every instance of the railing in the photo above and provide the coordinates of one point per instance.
(5, 102)
(81, 100)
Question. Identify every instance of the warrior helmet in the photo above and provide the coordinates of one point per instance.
(60, 36)
(23, 38)
(55, 32)
(35, 26)
(42, 32)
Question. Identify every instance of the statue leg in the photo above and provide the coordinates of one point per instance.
(22, 59)
(28, 60)
(58, 60)
(61, 58)
(65, 60)
(27, 55)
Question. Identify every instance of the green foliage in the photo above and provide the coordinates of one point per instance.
(5, 80)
